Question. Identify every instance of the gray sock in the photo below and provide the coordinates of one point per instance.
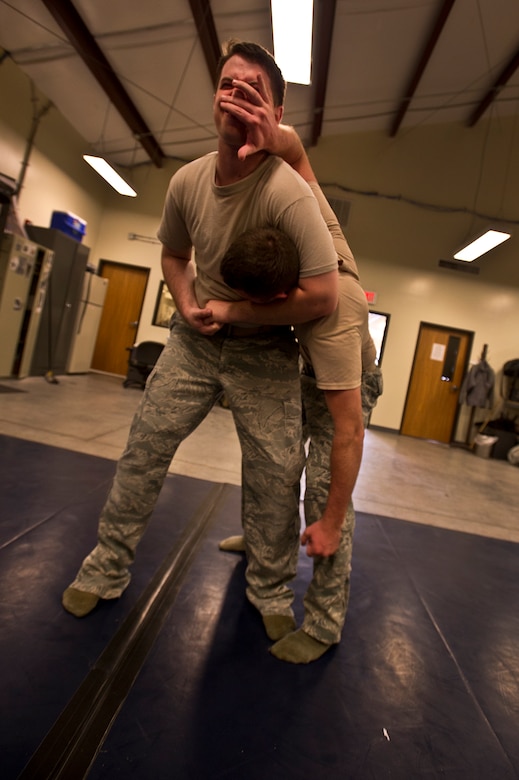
(278, 626)
(299, 648)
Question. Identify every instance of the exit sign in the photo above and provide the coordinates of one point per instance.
(371, 297)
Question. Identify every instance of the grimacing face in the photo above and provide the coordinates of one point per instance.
(229, 129)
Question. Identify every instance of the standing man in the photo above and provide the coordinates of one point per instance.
(340, 385)
(253, 359)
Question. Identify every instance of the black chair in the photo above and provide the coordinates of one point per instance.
(141, 361)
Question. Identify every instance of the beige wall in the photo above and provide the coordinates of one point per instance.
(410, 197)
(411, 297)
(414, 197)
(397, 243)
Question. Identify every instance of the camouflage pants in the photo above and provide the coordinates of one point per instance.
(260, 378)
(326, 599)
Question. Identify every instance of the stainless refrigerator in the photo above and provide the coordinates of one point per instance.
(59, 315)
(87, 323)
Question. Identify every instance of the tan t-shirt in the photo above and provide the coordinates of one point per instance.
(198, 213)
(339, 347)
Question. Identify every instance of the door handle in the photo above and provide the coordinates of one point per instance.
(133, 324)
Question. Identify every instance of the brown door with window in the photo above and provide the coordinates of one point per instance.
(120, 318)
(439, 365)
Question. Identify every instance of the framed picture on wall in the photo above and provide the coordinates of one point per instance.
(164, 308)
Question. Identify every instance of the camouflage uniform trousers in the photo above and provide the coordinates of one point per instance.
(260, 378)
(327, 596)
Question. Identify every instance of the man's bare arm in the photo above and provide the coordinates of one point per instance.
(179, 273)
(323, 536)
(315, 296)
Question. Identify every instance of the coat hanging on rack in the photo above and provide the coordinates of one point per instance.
(477, 389)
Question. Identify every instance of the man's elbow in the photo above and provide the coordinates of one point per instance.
(326, 304)
(329, 293)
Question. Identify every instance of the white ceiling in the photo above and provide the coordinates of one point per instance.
(466, 49)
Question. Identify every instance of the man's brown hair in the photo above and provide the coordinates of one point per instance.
(262, 263)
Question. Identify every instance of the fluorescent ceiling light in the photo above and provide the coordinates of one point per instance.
(292, 33)
(479, 246)
(110, 175)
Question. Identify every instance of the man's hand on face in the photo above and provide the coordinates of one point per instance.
(251, 106)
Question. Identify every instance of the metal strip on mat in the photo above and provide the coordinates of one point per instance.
(75, 739)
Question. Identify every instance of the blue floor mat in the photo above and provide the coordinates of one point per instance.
(425, 682)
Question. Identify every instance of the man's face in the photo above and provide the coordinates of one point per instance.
(230, 129)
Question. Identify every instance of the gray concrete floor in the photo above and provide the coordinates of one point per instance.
(400, 477)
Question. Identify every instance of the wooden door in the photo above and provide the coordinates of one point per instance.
(439, 365)
(120, 318)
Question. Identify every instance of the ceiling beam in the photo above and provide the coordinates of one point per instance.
(204, 20)
(418, 72)
(506, 74)
(324, 22)
(86, 46)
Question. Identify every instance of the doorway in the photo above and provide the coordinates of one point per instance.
(439, 365)
(121, 314)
